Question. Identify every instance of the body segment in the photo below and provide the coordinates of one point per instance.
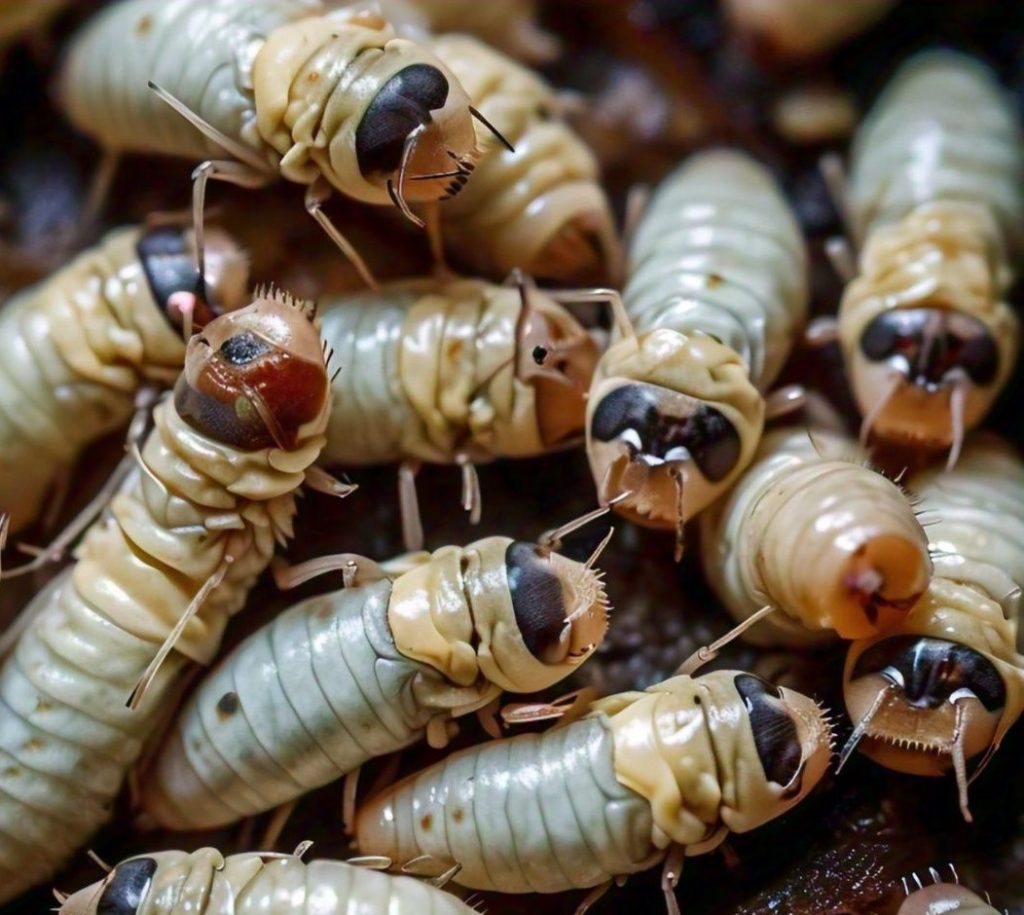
(345, 677)
(76, 348)
(185, 539)
(834, 546)
(937, 205)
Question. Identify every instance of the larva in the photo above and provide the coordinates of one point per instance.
(206, 882)
(642, 776)
(804, 28)
(511, 27)
(940, 898)
(284, 87)
(76, 348)
(345, 677)
(936, 201)
(863, 557)
(539, 206)
(156, 579)
(716, 290)
(947, 683)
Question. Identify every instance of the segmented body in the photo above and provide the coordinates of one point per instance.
(937, 202)
(804, 28)
(946, 897)
(601, 797)
(541, 207)
(67, 737)
(435, 370)
(863, 556)
(74, 351)
(975, 517)
(510, 27)
(205, 882)
(717, 289)
(285, 78)
(345, 677)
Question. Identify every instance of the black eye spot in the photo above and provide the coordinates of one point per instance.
(706, 436)
(928, 343)
(403, 104)
(169, 268)
(536, 597)
(244, 348)
(930, 670)
(125, 892)
(775, 735)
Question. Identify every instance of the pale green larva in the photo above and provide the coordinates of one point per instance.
(716, 293)
(360, 673)
(156, 579)
(77, 347)
(641, 777)
(936, 203)
(863, 556)
(206, 882)
(300, 89)
(947, 683)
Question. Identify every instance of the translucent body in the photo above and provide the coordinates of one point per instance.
(434, 370)
(195, 506)
(74, 351)
(937, 204)
(943, 898)
(205, 882)
(540, 208)
(285, 78)
(717, 290)
(600, 797)
(346, 677)
(863, 556)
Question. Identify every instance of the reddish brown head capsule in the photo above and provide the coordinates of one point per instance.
(254, 378)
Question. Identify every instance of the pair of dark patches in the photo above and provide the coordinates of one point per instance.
(710, 439)
(403, 104)
(170, 267)
(933, 669)
(932, 342)
(124, 893)
(775, 734)
(536, 596)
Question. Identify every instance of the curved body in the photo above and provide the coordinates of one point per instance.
(541, 207)
(967, 623)
(606, 795)
(76, 348)
(833, 545)
(197, 521)
(305, 89)
(717, 290)
(439, 369)
(205, 882)
(342, 678)
(510, 27)
(805, 28)
(937, 202)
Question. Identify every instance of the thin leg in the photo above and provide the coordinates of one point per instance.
(348, 801)
(841, 257)
(592, 897)
(99, 189)
(320, 480)
(821, 332)
(435, 238)
(316, 195)
(238, 173)
(471, 500)
(409, 506)
(275, 827)
(834, 174)
(708, 653)
(670, 875)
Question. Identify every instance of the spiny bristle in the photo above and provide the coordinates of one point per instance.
(271, 293)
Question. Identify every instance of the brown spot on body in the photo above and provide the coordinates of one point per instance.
(715, 280)
(457, 815)
(145, 25)
(427, 822)
(454, 349)
(227, 705)
(313, 76)
(12, 772)
(34, 743)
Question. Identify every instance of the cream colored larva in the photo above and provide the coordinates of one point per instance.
(716, 292)
(346, 677)
(947, 683)
(510, 26)
(861, 557)
(643, 777)
(540, 206)
(453, 371)
(206, 882)
(76, 348)
(804, 28)
(936, 201)
(328, 98)
(156, 580)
